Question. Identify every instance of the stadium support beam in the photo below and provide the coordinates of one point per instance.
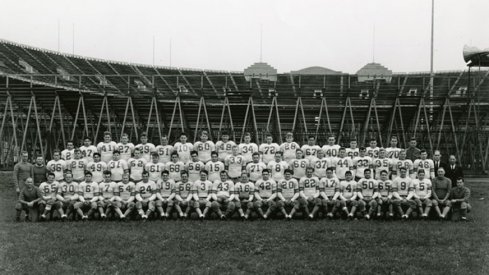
(105, 104)
(38, 125)
(176, 106)
(8, 105)
(226, 107)
(343, 119)
(396, 109)
(81, 106)
(446, 106)
(250, 109)
(422, 107)
(130, 106)
(372, 107)
(57, 105)
(274, 107)
(297, 116)
(323, 108)
(202, 108)
(154, 104)
(24, 135)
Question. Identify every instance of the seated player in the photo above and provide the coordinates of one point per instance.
(342, 164)
(183, 194)
(382, 164)
(175, 167)
(244, 193)
(328, 193)
(125, 147)
(255, 168)
(49, 191)
(383, 202)
(459, 197)
(123, 200)
(28, 201)
(441, 193)
(277, 166)
(224, 191)
(299, 164)
(204, 147)
(183, 149)
(88, 196)
(214, 167)
(136, 166)
(331, 150)
(97, 168)
(247, 148)
(106, 194)
(155, 167)
(361, 163)
(401, 186)
(287, 195)
(353, 150)
(265, 189)
(268, 149)
(308, 190)
(235, 164)
(320, 164)
(117, 166)
(367, 189)
(145, 147)
(310, 150)
(77, 165)
(164, 150)
(145, 196)
(203, 194)
(348, 195)
(224, 147)
(165, 194)
(426, 164)
(195, 166)
(57, 166)
(68, 194)
(420, 194)
(88, 150)
(68, 153)
(106, 147)
(289, 147)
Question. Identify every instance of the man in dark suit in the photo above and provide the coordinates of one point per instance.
(437, 162)
(454, 170)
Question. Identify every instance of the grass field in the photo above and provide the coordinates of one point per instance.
(412, 247)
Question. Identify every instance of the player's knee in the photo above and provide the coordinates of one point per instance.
(434, 202)
(93, 205)
(18, 206)
(237, 204)
(159, 203)
(257, 204)
(279, 204)
(215, 205)
(231, 206)
(249, 205)
(372, 204)
(463, 205)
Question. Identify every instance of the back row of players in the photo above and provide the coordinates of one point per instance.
(124, 157)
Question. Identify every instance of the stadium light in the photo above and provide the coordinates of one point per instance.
(318, 93)
(272, 92)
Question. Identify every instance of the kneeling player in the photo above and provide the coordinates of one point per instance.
(328, 193)
(202, 195)
(105, 201)
(420, 195)
(244, 190)
(68, 193)
(309, 192)
(88, 196)
(265, 189)
(145, 196)
(384, 204)
(29, 197)
(367, 192)
(123, 199)
(400, 190)
(165, 194)
(287, 194)
(224, 190)
(49, 190)
(348, 195)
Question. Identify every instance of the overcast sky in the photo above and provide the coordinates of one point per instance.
(225, 35)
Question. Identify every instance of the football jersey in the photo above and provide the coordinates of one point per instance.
(225, 149)
(235, 165)
(320, 166)
(57, 167)
(184, 188)
(214, 169)
(183, 151)
(393, 152)
(310, 151)
(164, 153)
(361, 163)
(244, 190)
(402, 185)
(117, 168)
(126, 190)
(106, 150)
(97, 169)
(348, 188)
(341, 166)
(255, 170)
(277, 169)
(68, 190)
(125, 150)
(146, 150)
(427, 165)
(107, 189)
(288, 188)
(309, 185)
(203, 188)
(384, 187)
(77, 168)
(373, 152)
(352, 153)
(136, 167)
(299, 167)
(367, 186)
(88, 190)
(265, 188)
(87, 152)
(49, 189)
(194, 169)
(289, 148)
(421, 187)
(175, 168)
(166, 187)
(154, 170)
(145, 189)
(247, 150)
(331, 150)
(268, 151)
(329, 186)
(407, 163)
(68, 154)
(381, 165)
(204, 149)
(223, 189)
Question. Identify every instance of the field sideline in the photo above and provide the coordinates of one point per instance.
(412, 247)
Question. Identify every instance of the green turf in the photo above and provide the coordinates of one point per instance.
(412, 247)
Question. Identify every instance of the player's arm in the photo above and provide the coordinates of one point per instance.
(138, 194)
(376, 191)
(395, 194)
(153, 193)
(448, 192)
(257, 195)
(252, 192)
(81, 194)
(340, 194)
(59, 195)
(411, 193)
(337, 193)
(428, 191)
(115, 194)
(96, 194)
(173, 192)
(359, 193)
(296, 193)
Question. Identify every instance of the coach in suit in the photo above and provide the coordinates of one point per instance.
(437, 162)
(453, 170)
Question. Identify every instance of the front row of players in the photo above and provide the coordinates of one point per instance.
(366, 198)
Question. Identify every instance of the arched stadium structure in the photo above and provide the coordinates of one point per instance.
(47, 98)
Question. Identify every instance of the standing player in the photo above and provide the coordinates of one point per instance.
(106, 194)
(268, 149)
(145, 195)
(265, 188)
(77, 166)
(309, 191)
(68, 153)
(146, 147)
(88, 150)
(277, 166)
(421, 194)
(235, 164)
(164, 150)
(373, 150)
(224, 146)
(68, 193)
(125, 147)
(117, 166)
(244, 190)
(136, 166)
(320, 164)
(195, 166)
(255, 168)
(329, 191)
(57, 166)
(155, 167)
(381, 164)
(310, 149)
(299, 165)
(393, 151)
(288, 192)
(361, 163)
(204, 147)
(124, 197)
(39, 171)
(106, 147)
(400, 190)
(367, 193)
(402, 162)
(353, 150)
(214, 167)
(88, 196)
(348, 195)
(49, 191)
(342, 164)
(331, 150)
(183, 148)
(97, 168)
(426, 164)
(247, 148)
(175, 167)
(289, 147)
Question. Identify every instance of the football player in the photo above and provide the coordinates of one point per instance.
(183, 148)
(310, 149)
(287, 194)
(97, 168)
(289, 147)
(106, 147)
(136, 166)
(268, 149)
(125, 147)
(145, 196)
(235, 164)
(68, 153)
(353, 150)
(299, 165)
(426, 164)
(247, 148)
(373, 150)
(123, 199)
(88, 150)
(77, 165)
(420, 194)
(195, 166)
(68, 193)
(265, 189)
(255, 168)
(367, 189)
(400, 189)
(57, 166)
(224, 190)
(49, 191)
(401, 162)
(204, 147)
(308, 192)
(277, 166)
(320, 164)
(329, 192)
(342, 164)
(155, 167)
(224, 147)
(382, 164)
(175, 167)
(145, 147)
(383, 201)
(202, 195)
(244, 193)
(393, 151)
(164, 150)
(117, 166)
(106, 194)
(348, 195)
(183, 194)
(331, 150)
(165, 194)
(214, 167)
(88, 196)
(361, 163)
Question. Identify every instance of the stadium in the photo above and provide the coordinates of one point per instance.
(50, 98)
